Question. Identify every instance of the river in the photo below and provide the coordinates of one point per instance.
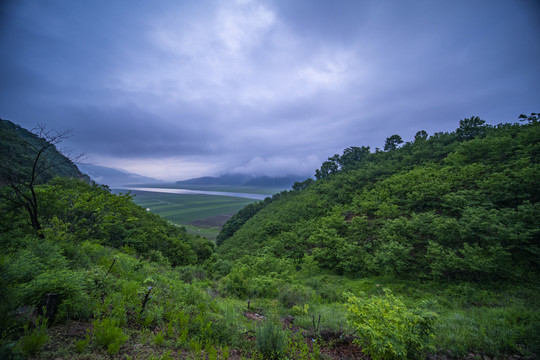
(201, 192)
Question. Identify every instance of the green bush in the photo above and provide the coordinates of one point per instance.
(271, 340)
(387, 329)
(294, 294)
(69, 285)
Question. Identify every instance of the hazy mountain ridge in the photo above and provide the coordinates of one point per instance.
(244, 180)
(114, 177)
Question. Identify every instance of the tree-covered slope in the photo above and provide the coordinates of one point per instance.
(40, 181)
(453, 205)
(18, 150)
(458, 206)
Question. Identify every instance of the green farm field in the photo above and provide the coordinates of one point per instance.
(201, 214)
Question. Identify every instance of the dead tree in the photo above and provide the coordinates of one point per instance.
(19, 182)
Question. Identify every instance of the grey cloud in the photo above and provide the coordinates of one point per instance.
(263, 86)
(130, 131)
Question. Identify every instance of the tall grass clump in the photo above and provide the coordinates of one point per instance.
(271, 340)
(490, 331)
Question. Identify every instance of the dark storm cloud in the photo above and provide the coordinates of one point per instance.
(132, 132)
(179, 89)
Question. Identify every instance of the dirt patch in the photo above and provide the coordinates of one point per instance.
(211, 222)
(63, 338)
(343, 349)
(253, 316)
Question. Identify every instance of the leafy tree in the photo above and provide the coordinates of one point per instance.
(352, 156)
(421, 135)
(469, 128)
(392, 142)
(532, 119)
(300, 185)
(328, 168)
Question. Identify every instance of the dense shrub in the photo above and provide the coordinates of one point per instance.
(69, 285)
(387, 329)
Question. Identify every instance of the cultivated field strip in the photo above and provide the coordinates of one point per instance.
(185, 208)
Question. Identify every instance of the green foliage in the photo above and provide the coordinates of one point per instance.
(30, 159)
(451, 216)
(532, 119)
(271, 340)
(92, 212)
(69, 285)
(33, 340)
(387, 329)
(81, 345)
(294, 294)
(159, 339)
(19, 145)
(239, 219)
(470, 128)
(392, 142)
(298, 349)
(438, 208)
(492, 331)
(108, 335)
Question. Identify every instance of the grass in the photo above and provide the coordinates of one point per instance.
(209, 233)
(478, 319)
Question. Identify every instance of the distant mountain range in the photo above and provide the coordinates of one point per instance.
(115, 177)
(243, 180)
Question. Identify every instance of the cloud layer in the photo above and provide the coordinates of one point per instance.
(180, 89)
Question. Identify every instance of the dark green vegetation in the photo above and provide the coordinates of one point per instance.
(429, 247)
(19, 149)
(27, 160)
(457, 206)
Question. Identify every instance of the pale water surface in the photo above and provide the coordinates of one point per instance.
(203, 192)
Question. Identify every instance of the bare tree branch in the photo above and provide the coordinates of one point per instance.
(22, 180)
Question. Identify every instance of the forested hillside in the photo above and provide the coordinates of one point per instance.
(423, 249)
(62, 235)
(461, 205)
(18, 150)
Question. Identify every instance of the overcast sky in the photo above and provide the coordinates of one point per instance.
(180, 89)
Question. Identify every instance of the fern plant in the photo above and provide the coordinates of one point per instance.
(34, 339)
(108, 335)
